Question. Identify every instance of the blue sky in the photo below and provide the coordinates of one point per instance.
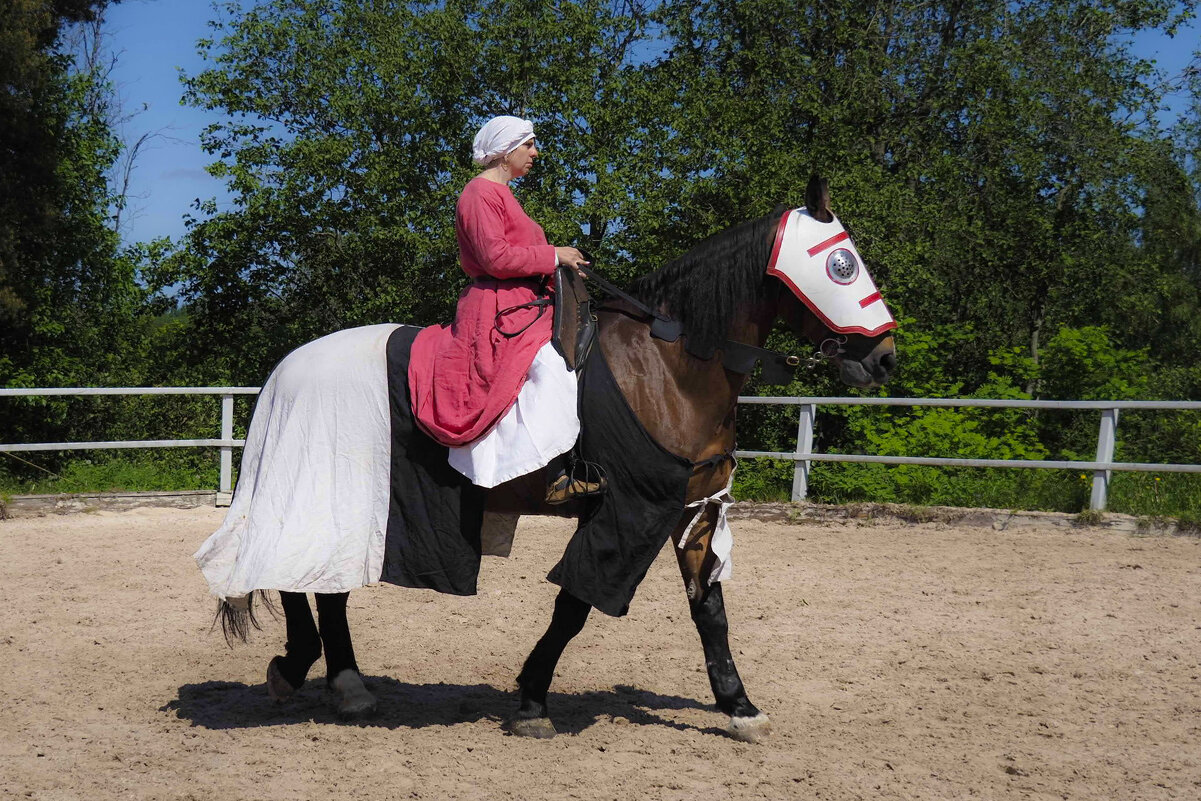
(154, 39)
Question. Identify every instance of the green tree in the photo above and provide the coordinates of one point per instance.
(48, 147)
(71, 309)
(347, 141)
(994, 159)
(1000, 163)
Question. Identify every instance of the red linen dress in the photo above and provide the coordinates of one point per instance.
(464, 377)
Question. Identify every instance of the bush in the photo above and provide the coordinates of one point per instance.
(145, 471)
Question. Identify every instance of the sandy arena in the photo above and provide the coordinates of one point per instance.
(896, 661)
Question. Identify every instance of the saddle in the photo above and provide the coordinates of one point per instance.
(573, 330)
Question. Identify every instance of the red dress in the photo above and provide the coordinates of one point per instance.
(464, 377)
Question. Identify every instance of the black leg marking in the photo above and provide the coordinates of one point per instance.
(709, 615)
(304, 643)
(535, 677)
(335, 633)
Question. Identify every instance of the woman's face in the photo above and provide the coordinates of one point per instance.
(521, 159)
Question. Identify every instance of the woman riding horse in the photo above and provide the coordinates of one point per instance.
(311, 506)
(491, 386)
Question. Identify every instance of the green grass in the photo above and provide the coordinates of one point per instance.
(1176, 495)
(1156, 495)
(126, 472)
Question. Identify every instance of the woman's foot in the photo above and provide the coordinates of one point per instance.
(565, 488)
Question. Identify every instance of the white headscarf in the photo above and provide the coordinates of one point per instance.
(500, 136)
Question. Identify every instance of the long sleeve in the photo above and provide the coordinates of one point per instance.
(464, 377)
(499, 239)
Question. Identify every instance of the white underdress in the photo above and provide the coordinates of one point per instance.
(543, 423)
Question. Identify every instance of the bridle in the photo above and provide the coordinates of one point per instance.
(830, 348)
(737, 357)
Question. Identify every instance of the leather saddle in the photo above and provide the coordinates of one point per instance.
(574, 327)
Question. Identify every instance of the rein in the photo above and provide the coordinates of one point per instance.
(662, 326)
(541, 304)
(737, 357)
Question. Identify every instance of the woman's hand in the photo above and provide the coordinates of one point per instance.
(571, 258)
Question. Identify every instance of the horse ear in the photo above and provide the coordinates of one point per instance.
(817, 199)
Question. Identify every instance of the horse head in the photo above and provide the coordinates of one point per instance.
(833, 301)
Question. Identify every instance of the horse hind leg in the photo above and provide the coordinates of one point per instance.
(286, 674)
(352, 700)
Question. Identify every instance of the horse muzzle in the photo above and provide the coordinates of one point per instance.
(871, 370)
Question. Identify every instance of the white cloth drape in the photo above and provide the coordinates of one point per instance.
(311, 507)
(310, 512)
(543, 423)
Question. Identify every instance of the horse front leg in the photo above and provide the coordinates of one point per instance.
(708, 608)
(533, 717)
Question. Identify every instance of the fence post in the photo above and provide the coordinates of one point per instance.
(1106, 437)
(225, 493)
(804, 447)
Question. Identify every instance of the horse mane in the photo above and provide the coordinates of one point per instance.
(706, 287)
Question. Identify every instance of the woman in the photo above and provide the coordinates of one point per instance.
(491, 386)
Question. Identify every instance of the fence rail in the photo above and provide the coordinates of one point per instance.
(226, 442)
(1102, 466)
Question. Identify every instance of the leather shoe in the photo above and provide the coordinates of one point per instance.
(565, 488)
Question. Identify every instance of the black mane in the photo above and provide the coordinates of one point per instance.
(706, 287)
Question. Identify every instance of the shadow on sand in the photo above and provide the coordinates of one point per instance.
(233, 705)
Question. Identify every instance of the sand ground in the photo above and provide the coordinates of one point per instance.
(896, 660)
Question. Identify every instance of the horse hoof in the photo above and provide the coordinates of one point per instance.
(278, 688)
(540, 728)
(750, 730)
(351, 699)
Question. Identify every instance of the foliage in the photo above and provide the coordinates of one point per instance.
(1083, 362)
(71, 310)
(999, 161)
(1002, 165)
(347, 142)
(1156, 495)
(109, 472)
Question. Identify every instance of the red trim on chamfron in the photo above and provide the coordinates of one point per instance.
(829, 243)
(869, 300)
(775, 249)
(849, 329)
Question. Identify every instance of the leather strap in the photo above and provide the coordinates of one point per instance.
(540, 304)
(737, 357)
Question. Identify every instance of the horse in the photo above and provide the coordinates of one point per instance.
(684, 391)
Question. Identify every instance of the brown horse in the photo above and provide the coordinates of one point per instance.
(724, 299)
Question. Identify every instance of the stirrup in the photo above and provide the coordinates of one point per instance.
(580, 480)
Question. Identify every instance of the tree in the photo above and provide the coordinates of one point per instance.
(40, 136)
(347, 140)
(994, 159)
(71, 310)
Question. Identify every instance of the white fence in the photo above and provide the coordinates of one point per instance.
(1102, 466)
(804, 456)
(225, 442)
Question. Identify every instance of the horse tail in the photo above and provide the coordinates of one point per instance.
(237, 616)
